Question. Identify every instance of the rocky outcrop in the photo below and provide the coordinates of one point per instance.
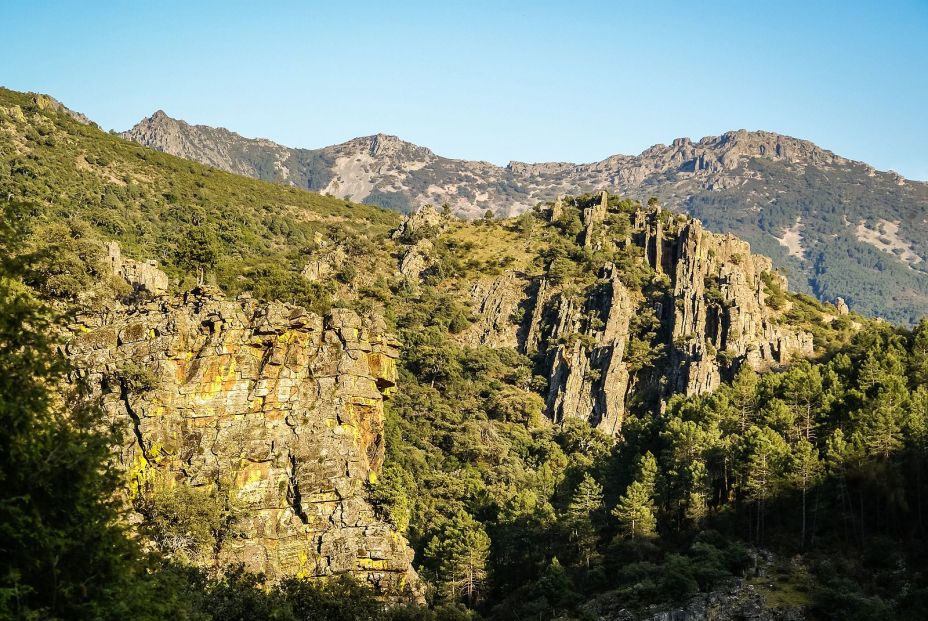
(707, 291)
(713, 319)
(325, 264)
(416, 260)
(497, 303)
(277, 410)
(737, 601)
(717, 315)
(588, 376)
(45, 102)
(141, 275)
(593, 217)
(425, 222)
(718, 302)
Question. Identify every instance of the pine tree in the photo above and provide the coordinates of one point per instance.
(587, 499)
(460, 552)
(744, 396)
(635, 510)
(584, 505)
(918, 359)
(764, 454)
(805, 470)
(881, 420)
(916, 430)
(803, 390)
(684, 466)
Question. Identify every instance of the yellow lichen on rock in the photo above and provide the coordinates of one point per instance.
(280, 409)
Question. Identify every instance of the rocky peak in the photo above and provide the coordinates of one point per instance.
(384, 145)
(217, 147)
(382, 148)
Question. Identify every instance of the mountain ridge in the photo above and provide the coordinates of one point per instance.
(837, 227)
(522, 166)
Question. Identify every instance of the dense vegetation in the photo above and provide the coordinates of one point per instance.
(81, 184)
(511, 517)
(522, 520)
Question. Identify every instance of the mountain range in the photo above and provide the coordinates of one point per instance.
(836, 227)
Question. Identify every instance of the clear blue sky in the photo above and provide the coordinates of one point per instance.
(532, 81)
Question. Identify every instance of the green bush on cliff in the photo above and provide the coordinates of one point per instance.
(63, 551)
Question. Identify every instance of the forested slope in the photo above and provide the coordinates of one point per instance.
(600, 409)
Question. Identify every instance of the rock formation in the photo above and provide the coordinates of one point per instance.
(719, 304)
(277, 410)
(593, 217)
(424, 222)
(588, 377)
(713, 316)
(325, 264)
(141, 275)
(416, 260)
(497, 302)
(737, 600)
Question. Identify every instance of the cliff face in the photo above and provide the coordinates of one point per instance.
(707, 303)
(719, 303)
(588, 377)
(278, 410)
(713, 318)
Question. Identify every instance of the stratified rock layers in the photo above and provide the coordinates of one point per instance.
(278, 408)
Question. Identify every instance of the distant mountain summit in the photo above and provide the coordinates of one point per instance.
(837, 227)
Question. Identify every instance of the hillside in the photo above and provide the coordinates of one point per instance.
(836, 227)
(598, 408)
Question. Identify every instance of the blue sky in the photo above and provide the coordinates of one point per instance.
(532, 81)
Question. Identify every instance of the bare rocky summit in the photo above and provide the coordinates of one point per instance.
(835, 226)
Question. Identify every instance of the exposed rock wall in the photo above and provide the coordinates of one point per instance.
(713, 313)
(142, 275)
(416, 260)
(497, 303)
(588, 375)
(278, 409)
(719, 305)
(593, 217)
